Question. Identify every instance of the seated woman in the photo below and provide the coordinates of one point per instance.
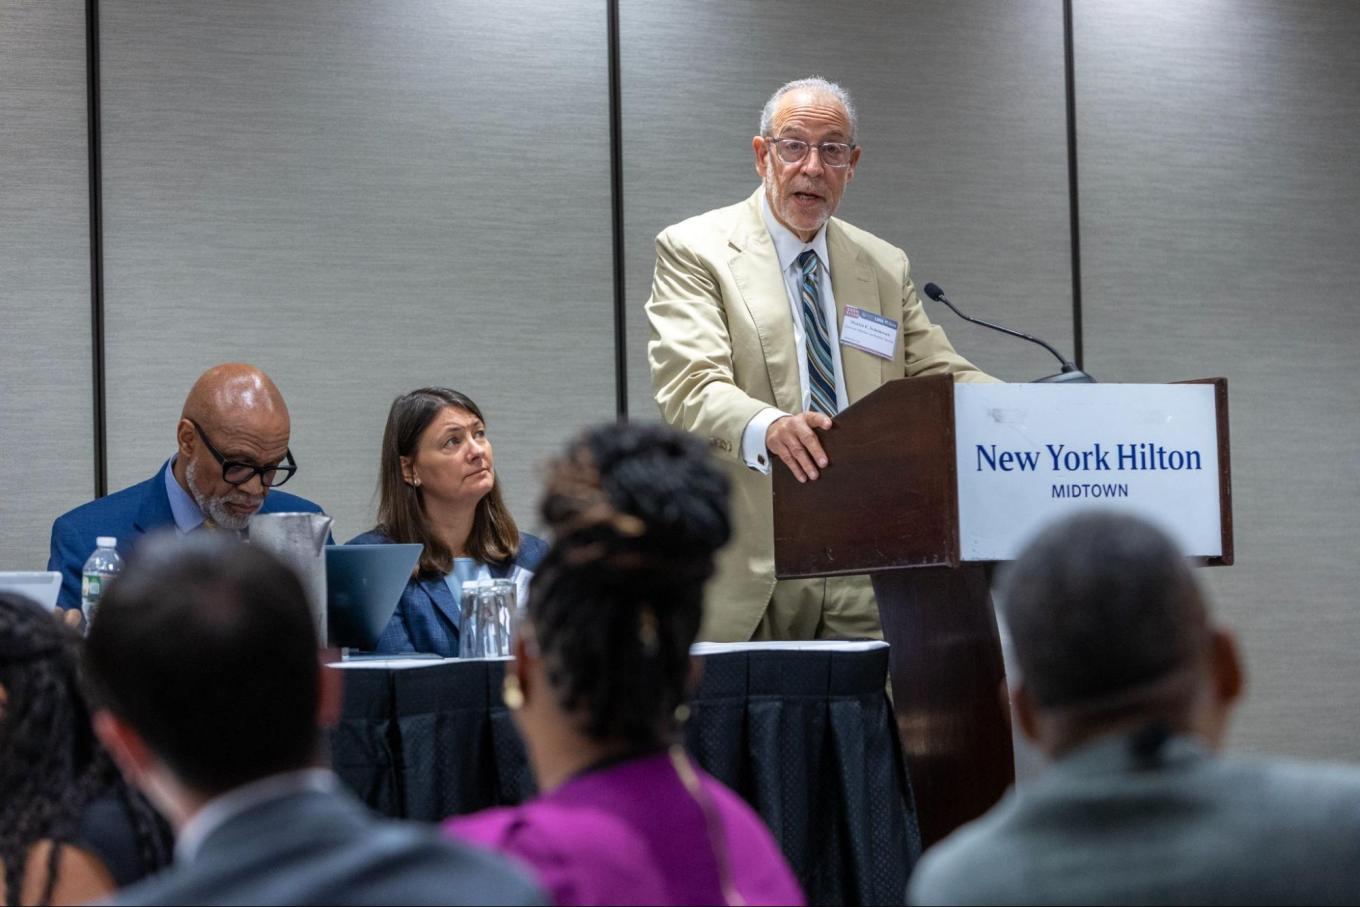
(438, 487)
(71, 830)
(599, 684)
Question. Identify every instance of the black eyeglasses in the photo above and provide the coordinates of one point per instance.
(234, 472)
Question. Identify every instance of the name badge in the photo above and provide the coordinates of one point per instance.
(869, 332)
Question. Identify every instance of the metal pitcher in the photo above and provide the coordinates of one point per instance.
(299, 540)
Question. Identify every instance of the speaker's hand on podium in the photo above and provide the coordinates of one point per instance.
(792, 439)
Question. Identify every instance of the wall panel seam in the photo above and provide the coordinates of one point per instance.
(616, 195)
(101, 452)
(1069, 75)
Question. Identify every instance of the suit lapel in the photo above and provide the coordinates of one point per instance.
(755, 268)
(442, 597)
(852, 283)
(155, 512)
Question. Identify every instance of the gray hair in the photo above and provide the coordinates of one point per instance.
(816, 85)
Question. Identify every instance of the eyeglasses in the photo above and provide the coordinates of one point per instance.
(833, 154)
(234, 472)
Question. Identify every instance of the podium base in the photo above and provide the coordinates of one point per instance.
(949, 691)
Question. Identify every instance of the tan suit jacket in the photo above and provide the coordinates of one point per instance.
(723, 348)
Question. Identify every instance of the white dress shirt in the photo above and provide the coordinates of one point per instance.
(788, 247)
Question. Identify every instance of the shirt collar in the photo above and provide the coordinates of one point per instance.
(188, 516)
(223, 809)
(1113, 753)
(787, 245)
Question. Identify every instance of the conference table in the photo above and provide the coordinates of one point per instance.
(803, 731)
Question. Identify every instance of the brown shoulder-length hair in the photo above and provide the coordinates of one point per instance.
(401, 507)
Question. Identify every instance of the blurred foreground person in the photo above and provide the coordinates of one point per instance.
(598, 686)
(1127, 685)
(211, 695)
(70, 828)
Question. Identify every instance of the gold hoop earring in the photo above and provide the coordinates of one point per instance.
(512, 693)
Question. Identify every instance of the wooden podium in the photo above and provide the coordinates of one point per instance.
(889, 505)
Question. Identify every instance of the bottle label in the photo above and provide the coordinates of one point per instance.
(91, 586)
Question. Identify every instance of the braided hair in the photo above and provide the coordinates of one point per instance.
(51, 765)
(637, 513)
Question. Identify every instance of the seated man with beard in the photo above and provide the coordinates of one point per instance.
(232, 448)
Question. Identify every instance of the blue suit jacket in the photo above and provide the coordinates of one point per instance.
(427, 617)
(128, 515)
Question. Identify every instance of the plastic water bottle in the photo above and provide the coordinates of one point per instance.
(102, 567)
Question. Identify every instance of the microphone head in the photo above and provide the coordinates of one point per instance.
(933, 291)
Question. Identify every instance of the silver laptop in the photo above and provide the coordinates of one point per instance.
(42, 587)
(363, 586)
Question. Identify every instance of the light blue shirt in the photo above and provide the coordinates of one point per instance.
(465, 570)
(188, 516)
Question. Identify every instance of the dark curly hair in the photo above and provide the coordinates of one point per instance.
(51, 766)
(637, 513)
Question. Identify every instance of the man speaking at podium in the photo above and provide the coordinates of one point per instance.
(768, 317)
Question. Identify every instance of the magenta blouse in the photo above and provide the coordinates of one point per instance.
(631, 834)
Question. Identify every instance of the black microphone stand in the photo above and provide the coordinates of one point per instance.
(1070, 374)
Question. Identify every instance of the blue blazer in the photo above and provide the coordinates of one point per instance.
(427, 617)
(128, 514)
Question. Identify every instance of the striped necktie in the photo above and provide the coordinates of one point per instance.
(821, 367)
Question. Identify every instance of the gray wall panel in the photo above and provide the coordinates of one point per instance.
(1220, 190)
(46, 405)
(361, 198)
(962, 122)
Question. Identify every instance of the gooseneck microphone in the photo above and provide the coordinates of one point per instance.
(1070, 374)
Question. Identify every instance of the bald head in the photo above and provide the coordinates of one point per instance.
(234, 412)
(232, 392)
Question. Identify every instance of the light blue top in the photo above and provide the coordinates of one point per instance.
(183, 507)
(465, 570)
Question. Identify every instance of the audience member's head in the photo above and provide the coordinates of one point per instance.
(637, 514)
(437, 465)
(1111, 634)
(51, 766)
(233, 443)
(203, 662)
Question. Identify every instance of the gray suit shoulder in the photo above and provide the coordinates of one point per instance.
(1320, 793)
(963, 868)
(1242, 831)
(323, 849)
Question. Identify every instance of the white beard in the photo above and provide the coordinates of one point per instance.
(215, 509)
(772, 199)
